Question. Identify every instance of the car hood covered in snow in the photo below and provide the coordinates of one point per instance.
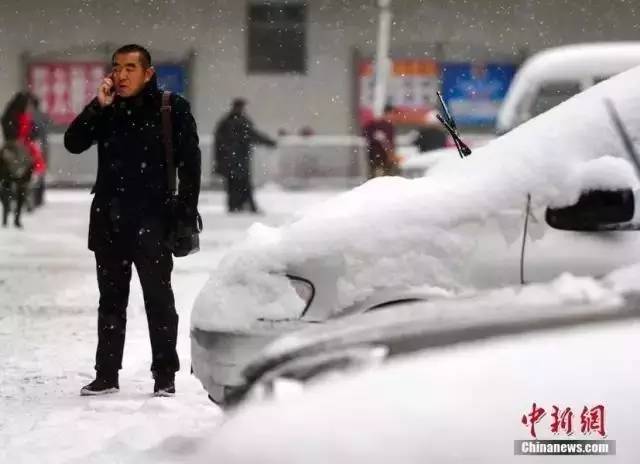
(394, 232)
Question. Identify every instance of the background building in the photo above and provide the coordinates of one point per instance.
(297, 62)
(213, 36)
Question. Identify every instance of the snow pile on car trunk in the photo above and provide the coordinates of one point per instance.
(394, 232)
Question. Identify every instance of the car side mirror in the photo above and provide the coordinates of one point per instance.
(596, 210)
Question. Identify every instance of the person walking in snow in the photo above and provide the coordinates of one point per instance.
(379, 134)
(19, 157)
(234, 140)
(130, 214)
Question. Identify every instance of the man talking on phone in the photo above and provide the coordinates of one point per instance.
(130, 213)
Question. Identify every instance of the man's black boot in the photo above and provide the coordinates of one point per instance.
(102, 385)
(165, 384)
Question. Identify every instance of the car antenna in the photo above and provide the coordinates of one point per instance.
(624, 135)
(450, 125)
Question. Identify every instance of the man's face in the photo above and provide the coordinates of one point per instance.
(129, 75)
(238, 109)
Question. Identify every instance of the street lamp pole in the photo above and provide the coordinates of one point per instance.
(383, 63)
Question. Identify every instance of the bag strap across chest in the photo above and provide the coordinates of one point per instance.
(167, 137)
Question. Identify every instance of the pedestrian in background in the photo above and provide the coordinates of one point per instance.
(20, 157)
(235, 137)
(379, 134)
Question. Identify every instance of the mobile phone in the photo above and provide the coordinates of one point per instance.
(112, 90)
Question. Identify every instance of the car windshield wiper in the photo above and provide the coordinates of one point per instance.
(450, 125)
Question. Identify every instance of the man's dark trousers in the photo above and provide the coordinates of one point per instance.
(154, 268)
(234, 193)
(7, 194)
(240, 192)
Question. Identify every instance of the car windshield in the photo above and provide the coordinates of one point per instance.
(552, 94)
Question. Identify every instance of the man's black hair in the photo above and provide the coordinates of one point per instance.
(239, 102)
(388, 108)
(145, 56)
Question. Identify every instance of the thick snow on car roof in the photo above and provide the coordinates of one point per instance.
(572, 60)
(394, 232)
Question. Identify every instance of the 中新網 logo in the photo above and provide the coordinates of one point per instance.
(565, 424)
(592, 420)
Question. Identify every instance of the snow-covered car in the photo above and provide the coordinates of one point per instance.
(556, 74)
(549, 197)
(472, 396)
(344, 345)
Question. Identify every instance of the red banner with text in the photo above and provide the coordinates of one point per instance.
(64, 88)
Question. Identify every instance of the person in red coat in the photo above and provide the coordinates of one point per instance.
(17, 128)
(380, 136)
(25, 131)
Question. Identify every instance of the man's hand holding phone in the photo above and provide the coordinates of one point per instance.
(106, 91)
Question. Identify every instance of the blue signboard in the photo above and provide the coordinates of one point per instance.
(172, 77)
(474, 92)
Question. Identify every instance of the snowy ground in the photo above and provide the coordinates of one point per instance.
(48, 300)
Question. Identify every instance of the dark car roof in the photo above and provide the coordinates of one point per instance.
(417, 326)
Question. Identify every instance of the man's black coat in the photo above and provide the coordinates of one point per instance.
(131, 205)
(234, 140)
